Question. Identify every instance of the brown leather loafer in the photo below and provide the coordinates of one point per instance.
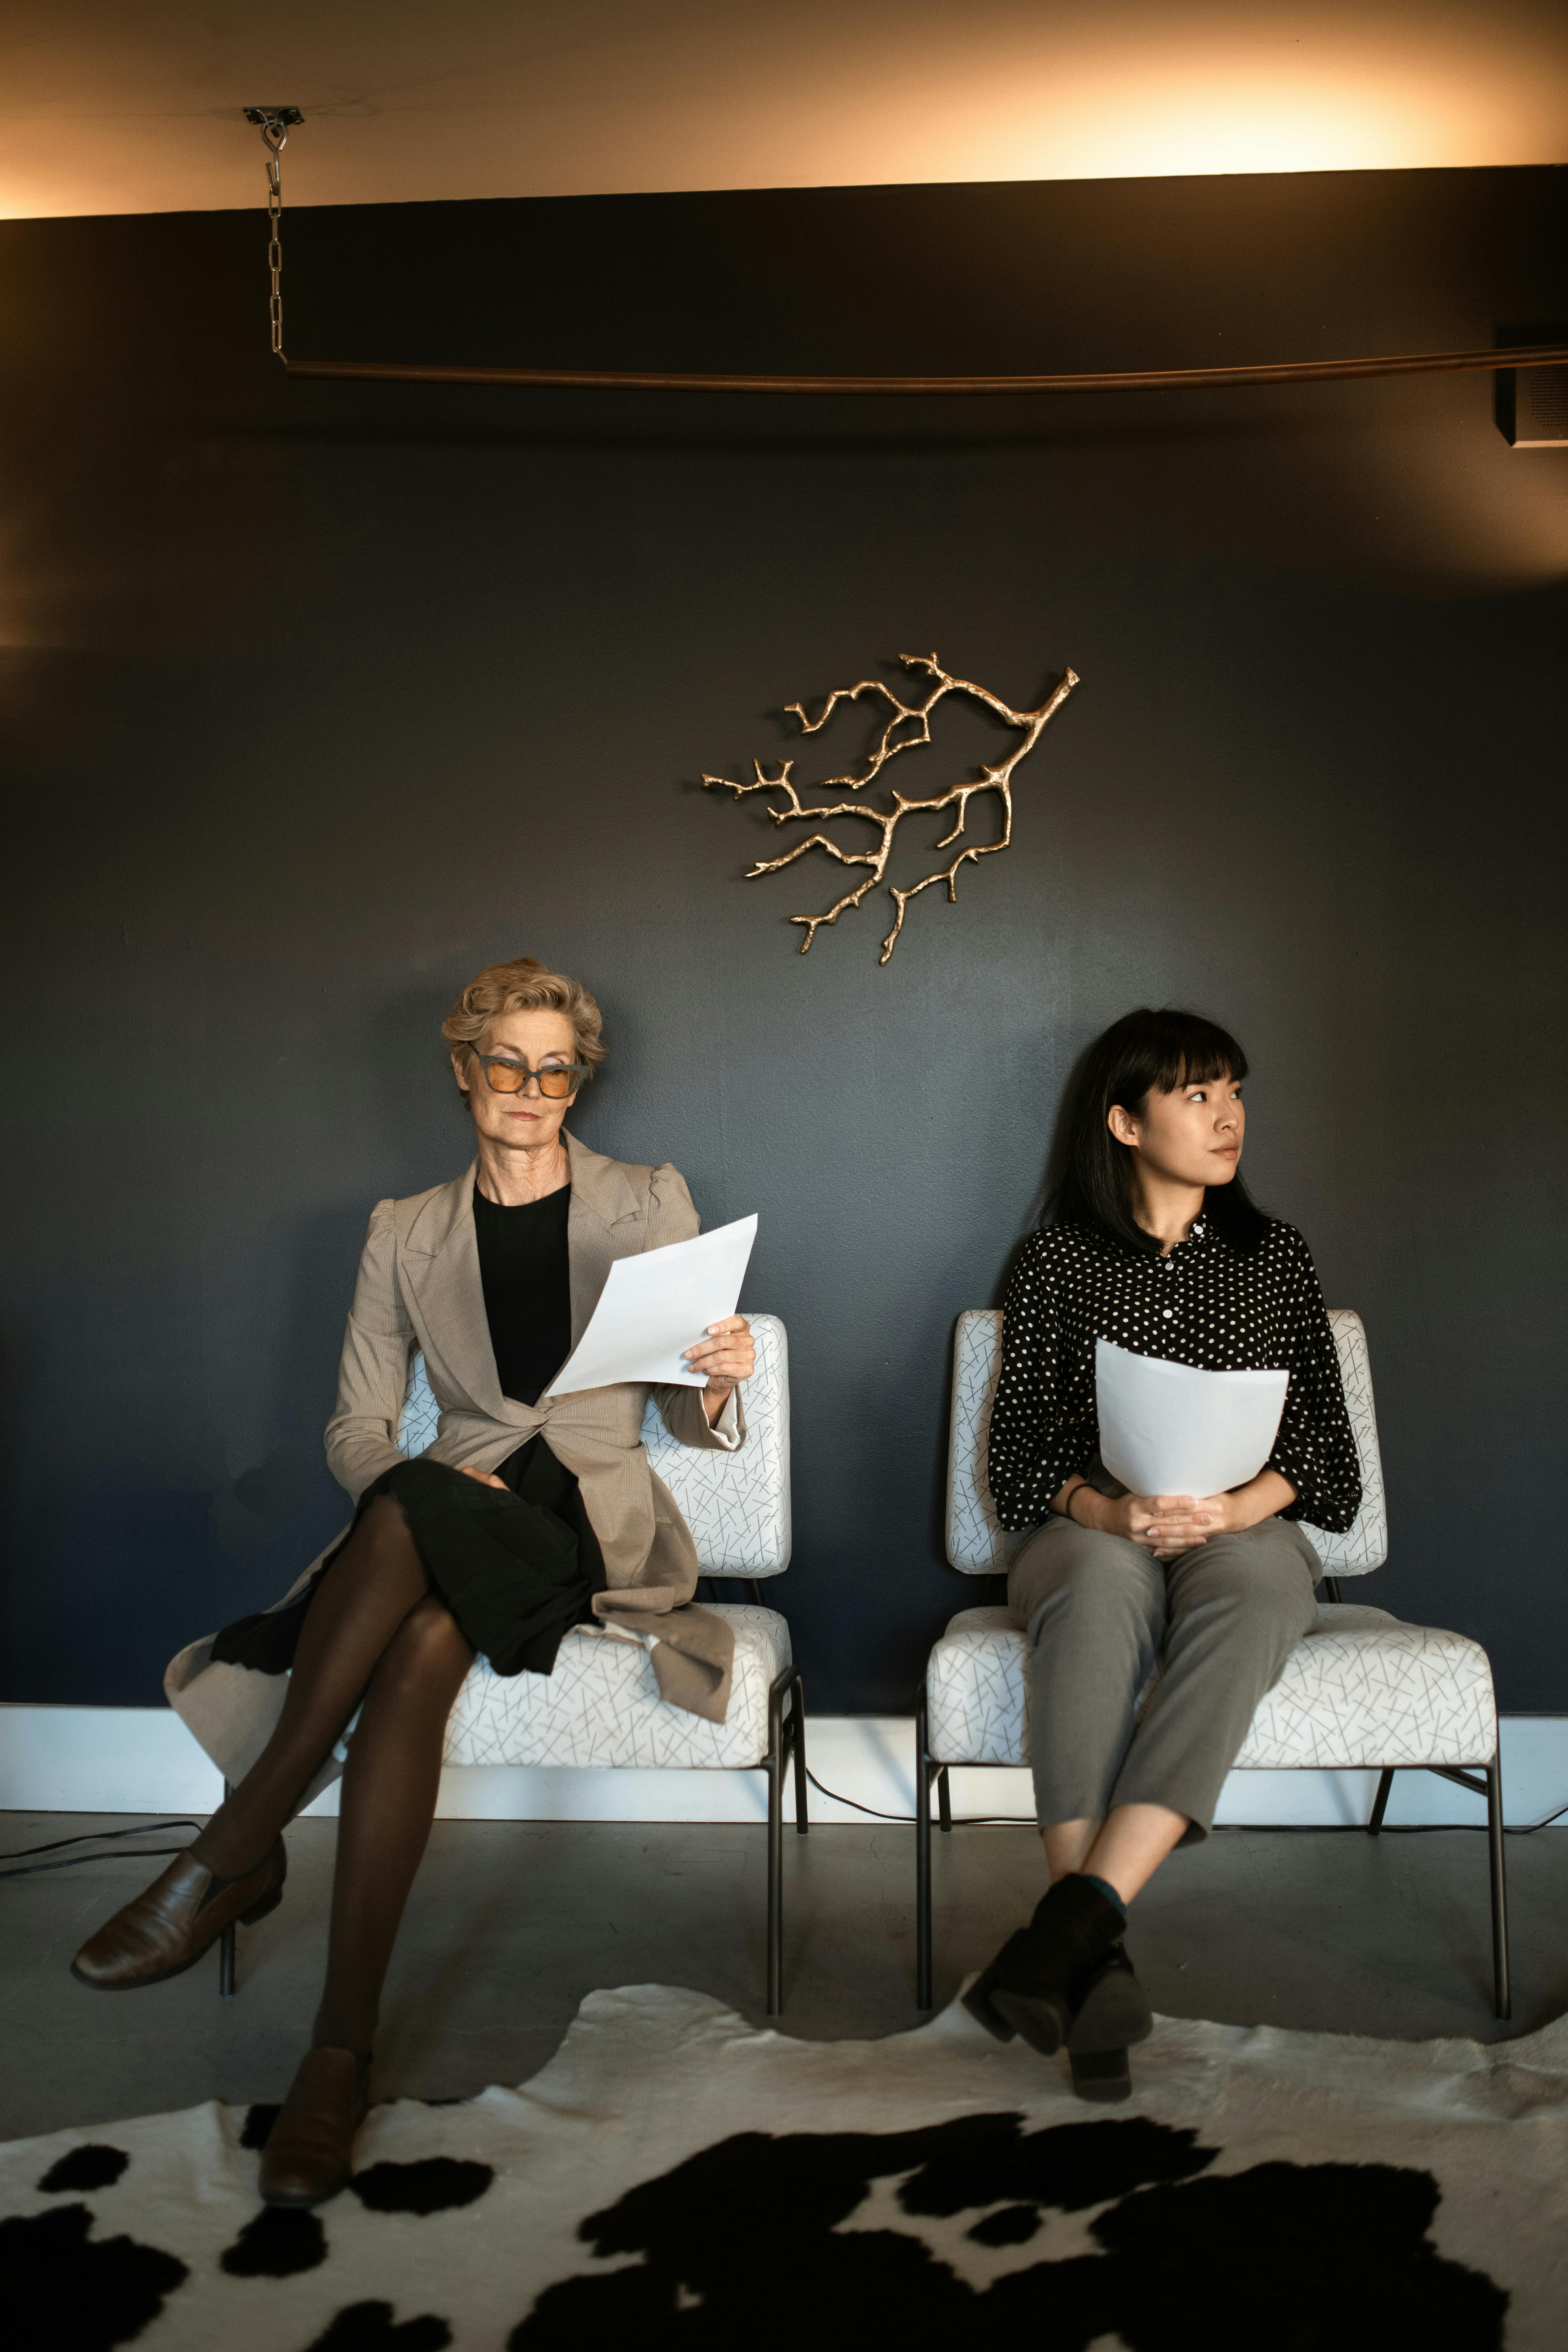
(181, 1915)
(309, 2148)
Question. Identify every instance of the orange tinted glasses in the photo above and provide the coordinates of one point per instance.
(557, 1081)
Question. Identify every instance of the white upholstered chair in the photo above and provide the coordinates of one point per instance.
(1362, 1690)
(601, 1706)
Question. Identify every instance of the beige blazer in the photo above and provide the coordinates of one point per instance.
(419, 1287)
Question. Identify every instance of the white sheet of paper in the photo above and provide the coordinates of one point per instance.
(1167, 1429)
(655, 1306)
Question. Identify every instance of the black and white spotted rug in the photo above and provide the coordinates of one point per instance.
(676, 2177)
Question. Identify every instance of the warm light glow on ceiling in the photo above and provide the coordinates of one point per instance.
(109, 107)
(1164, 114)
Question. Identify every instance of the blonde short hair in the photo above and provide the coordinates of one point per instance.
(524, 985)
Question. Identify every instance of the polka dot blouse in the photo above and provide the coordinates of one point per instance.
(1207, 1305)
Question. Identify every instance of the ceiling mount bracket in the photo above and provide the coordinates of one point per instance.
(274, 123)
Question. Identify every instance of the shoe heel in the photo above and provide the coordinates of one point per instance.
(268, 1902)
(1113, 2013)
(977, 2001)
(1036, 2017)
(1102, 2076)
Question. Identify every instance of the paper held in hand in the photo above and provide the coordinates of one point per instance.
(653, 1307)
(1168, 1429)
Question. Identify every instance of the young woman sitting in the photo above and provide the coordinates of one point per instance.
(1154, 1245)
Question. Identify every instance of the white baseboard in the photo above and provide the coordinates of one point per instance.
(132, 1759)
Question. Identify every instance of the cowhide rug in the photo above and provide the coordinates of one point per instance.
(674, 2177)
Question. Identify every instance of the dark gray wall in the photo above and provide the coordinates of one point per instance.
(316, 698)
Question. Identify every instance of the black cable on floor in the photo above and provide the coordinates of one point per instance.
(907, 1820)
(1025, 1821)
(95, 1837)
(903, 1820)
(1390, 1829)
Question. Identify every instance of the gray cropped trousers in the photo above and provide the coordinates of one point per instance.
(1100, 1613)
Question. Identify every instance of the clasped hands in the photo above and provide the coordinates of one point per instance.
(1164, 1524)
(1168, 1524)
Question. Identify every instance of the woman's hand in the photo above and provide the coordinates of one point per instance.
(1249, 1506)
(727, 1355)
(488, 1478)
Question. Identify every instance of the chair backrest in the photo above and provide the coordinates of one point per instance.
(736, 1505)
(976, 1542)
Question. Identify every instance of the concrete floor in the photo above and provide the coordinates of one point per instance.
(511, 1923)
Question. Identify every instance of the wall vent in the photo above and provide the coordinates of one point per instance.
(1532, 403)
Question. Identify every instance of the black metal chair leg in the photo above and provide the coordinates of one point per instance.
(797, 1741)
(777, 1738)
(922, 1858)
(775, 1888)
(944, 1798)
(1380, 1803)
(225, 1944)
(1502, 1998)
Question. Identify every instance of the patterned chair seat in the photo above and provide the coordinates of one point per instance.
(1362, 1691)
(602, 1706)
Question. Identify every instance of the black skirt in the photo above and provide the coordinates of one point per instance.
(517, 1571)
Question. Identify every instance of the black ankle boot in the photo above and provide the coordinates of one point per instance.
(977, 2000)
(1111, 2010)
(1031, 1986)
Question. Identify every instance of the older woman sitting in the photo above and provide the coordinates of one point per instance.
(523, 1519)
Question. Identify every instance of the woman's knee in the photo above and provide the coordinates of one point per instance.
(385, 1520)
(1097, 1585)
(1253, 1588)
(428, 1647)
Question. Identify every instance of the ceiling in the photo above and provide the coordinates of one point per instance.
(116, 106)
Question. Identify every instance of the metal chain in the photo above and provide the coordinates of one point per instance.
(275, 237)
(273, 122)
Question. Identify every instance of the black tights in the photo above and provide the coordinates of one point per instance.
(374, 1631)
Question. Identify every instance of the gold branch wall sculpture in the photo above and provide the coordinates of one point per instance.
(907, 730)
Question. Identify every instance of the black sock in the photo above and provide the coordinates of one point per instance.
(1076, 1908)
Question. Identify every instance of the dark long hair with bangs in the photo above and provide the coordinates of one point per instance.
(1143, 1052)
